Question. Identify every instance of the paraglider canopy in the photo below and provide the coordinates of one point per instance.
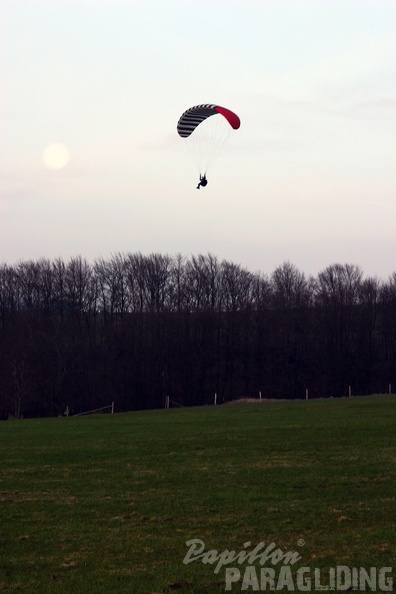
(206, 135)
(191, 118)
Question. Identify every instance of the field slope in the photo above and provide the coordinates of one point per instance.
(105, 504)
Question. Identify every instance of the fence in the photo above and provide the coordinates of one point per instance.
(110, 407)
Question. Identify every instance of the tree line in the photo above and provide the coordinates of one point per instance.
(135, 329)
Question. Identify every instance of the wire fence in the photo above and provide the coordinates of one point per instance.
(110, 408)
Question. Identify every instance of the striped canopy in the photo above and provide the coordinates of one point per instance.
(191, 118)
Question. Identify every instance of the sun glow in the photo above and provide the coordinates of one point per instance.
(56, 156)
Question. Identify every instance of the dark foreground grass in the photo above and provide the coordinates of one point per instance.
(107, 503)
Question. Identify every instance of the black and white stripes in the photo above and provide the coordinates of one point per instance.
(191, 118)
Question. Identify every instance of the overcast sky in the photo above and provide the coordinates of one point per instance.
(310, 176)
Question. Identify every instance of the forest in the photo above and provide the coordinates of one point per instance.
(137, 329)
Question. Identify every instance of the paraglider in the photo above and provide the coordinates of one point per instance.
(206, 135)
(202, 181)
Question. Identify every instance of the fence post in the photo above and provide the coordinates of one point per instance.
(260, 395)
(390, 388)
(112, 408)
(215, 399)
(306, 393)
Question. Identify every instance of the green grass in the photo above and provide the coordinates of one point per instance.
(105, 504)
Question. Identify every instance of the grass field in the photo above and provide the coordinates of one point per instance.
(106, 503)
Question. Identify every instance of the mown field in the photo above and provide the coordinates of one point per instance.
(106, 503)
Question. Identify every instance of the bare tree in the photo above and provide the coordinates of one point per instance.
(388, 327)
(113, 294)
(337, 299)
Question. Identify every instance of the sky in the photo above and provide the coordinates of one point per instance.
(309, 178)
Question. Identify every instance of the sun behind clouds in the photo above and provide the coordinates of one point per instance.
(56, 156)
